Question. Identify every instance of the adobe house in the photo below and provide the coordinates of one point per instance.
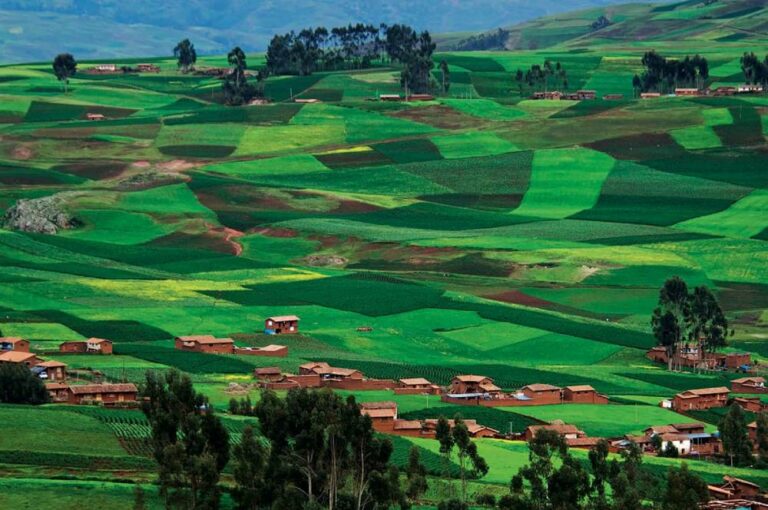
(465, 384)
(411, 428)
(382, 414)
(148, 68)
(474, 428)
(54, 371)
(689, 428)
(584, 443)
(701, 399)
(95, 116)
(687, 92)
(660, 429)
(14, 344)
(586, 94)
(542, 393)
(657, 354)
(72, 347)
(281, 324)
(16, 357)
(205, 343)
(271, 351)
(98, 346)
(105, 68)
(416, 385)
(753, 405)
(749, 385)
(102, 393)
(268, 374)
(680, 441)
(704, 444)
(650, 95)
(327, 372)
(583, 394)
(58, 391)
(310, 367)
(564, 430)
(740, 488)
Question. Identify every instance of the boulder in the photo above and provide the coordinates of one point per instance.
(45, 215)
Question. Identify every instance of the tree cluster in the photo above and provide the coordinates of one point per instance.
(186, 55)
(755, 71)
(457, 438)
(485, 41)
(64, 67)
(735, 436)
(664, 76)
(553, 479)
(190, 444)
(601, 22)
(540, 77)
(18, 385)
(236, 87)
(682, 317)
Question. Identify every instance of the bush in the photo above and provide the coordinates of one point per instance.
(18, 385)
(486, 500)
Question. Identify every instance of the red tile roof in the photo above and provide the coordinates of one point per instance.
(88, 389)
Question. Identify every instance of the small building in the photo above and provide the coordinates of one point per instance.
(704, 444)
(689, 428)
(753, 405)
(329, 373)
(95, 116)
(268, 374)
(724, 91)
(107, 394)
(12, 343)
(583, 394)
(586, 94)
(72, 347)
(416, 385)
(281, 324)
(681, 442)
(554, 95)
(389, 97)
(58, 391)
(749, 385)
(205, 343)
(272, 351)
(475, 429)
(382, 414)
(307, 100)
(53, 371)
(20, 358)
(650, 95)
(105, 68)
(584, 443)
(542, 393)
(701, 399)
(658, 354)
(740, 488)
(564, 430)
(98, 346)
(688, 92)
(148, 68)
(474, 384)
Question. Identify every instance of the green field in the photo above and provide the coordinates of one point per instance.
(478, 233)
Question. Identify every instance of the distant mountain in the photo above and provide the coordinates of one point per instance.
(37, 29)
(717, 21)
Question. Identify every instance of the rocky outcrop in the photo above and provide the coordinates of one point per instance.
(46, 215)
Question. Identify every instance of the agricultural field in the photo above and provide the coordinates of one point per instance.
(477, 233)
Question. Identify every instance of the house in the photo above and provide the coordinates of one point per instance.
(689, 428)
(16, 357)
(704, 444)
(98, 346)
(272, 351)
(740, 488)
(268, 374)
(53, 371)
(382, 414)
(586, 94)
(583, 394)
(416, 385)
(9, 343)
(542, 393)
(681, 442)
(564, 430)
(724, 91)
(308, 100)
(474, 385)
(389, 97)
(747, 385)
(95, 116)
(688, 92)
(205, 343)
(327, 372)
(555, 95)
(749, 88)
(106, 394)
(148, 68)
(281, 324)
(585, 443)
(732, 360)
(753, 405)
(657, 354)
(474, 428)
(701, 399)
(105, 68)
(58, 391)
(650, 95)
(72, 347)
(732, 504)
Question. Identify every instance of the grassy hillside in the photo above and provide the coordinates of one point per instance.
(524, 240)
(688, 22)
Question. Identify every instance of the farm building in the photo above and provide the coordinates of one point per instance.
(542, 393)
(308, 100)
(389, 97)
(281, 324)
(382, 414)
(586, 94)
(553, 95)
(269, 374)
(416, 385)
(689, 428)
(474, 385)
(680, 442)
(474, 428)
(102, 393)
(53, 371)
(657, 354)
(272, 351)
(688, 438)
(734, 488)
(16, 357)
(104, 68)
(585, 443)
(205, 343)
(566, 431)
(650, 95)
(14, 344)
(58, 391)
(688, 92)
(733, 504)
(95, 116)
(90, 346)
(725, 91)
(749, 385)
(753, 405)
(701, 399)
(583, 394)
(148, 68)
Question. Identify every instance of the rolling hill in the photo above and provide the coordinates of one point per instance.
(34, 30)
(690, 21)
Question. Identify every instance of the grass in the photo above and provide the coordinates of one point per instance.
(745, 218)
(472, 144)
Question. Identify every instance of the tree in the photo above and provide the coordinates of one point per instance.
(139, 499)
(186, 55)
(685, 490)
(18, 385)
(467, 451)
(761, 435)
(445, 438)
(445, 76)
(735, 436)
(708, 322)
(237, 90)
(416, 475)
(64, 67)
(191, 446)
(250, 464)
(598, 460)
(672, 316)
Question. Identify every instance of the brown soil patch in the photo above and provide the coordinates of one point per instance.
(22, 152)
(520, 298)
(177, 165)
(439, 116)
